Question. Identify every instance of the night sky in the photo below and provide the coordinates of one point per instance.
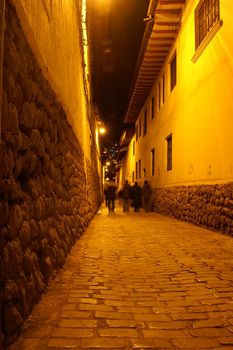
(125, 31)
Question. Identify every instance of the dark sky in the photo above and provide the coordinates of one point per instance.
(125, 31)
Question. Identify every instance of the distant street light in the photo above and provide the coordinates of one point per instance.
(102, 130)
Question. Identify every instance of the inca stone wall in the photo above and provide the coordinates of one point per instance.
(207, 205)
(46, 199)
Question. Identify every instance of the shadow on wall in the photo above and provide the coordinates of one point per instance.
(46, 199)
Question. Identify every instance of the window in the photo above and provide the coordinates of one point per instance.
(145, 123)
(163, 91)
(139, 169)
(153, 162)
(169, 152)
(133, 176)
(136, 131)
(159, 96)
(136, 170)
(139, 128)
(206, 16)
(173, 72)
(133, 147)
(152, 107)
(144, 173)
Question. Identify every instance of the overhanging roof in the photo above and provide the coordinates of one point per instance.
(161, 31)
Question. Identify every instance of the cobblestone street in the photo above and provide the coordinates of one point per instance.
(138, 281)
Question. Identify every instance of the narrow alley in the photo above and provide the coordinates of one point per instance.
(106, 99)
(138, 281)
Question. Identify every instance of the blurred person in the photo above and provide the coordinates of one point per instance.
(126, 196)
(136, 193)
(105, 195)
(111, 196)
(146, 196)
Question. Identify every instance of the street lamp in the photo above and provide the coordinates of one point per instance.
(102, 130)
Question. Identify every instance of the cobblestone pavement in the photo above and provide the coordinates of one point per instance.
(138, 281)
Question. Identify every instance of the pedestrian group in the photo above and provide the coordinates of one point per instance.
(131, 195)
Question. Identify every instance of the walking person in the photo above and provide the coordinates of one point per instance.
(126, 195)
(146, 196)
(105, 196)
(111, 196)
(136, 193)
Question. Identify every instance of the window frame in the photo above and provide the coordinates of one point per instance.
(169, 152)
(152, 110)
(203, 25)
(145, 122)
(152, 161)
(173, 71)
(211, 31)
(139, 169)
(139, 128)
(159, 95)
(163, 88)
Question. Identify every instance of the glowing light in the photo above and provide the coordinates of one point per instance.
(102, 130)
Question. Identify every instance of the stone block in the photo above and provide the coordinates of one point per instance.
(27, 262)
(13, 119)
(33, 229)
(9, 84)
(37, 142)
(13, 319)
(18, 98)
(25, 235)
(11, 291)
(26, 117)
(15, 258)
(18, 166)
(39, 282)
(4, 213)
(33, 163)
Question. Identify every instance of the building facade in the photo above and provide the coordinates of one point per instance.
(183, 125)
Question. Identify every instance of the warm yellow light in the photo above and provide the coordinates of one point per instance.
(102, 130)
(107, 163)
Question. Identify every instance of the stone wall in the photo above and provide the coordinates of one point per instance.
(46, 198)
(207, 205)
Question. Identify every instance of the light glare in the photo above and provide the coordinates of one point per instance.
(102, 130)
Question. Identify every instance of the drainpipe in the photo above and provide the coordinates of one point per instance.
(2, 24)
